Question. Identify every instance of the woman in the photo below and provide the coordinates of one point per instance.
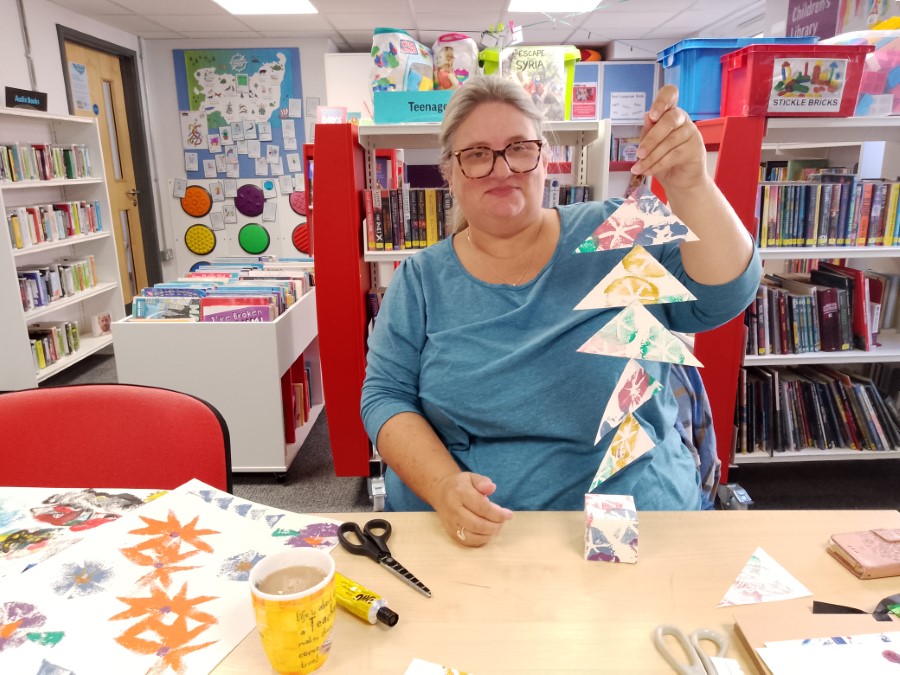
(475, 394)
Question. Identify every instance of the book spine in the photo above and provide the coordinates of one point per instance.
(369, 208)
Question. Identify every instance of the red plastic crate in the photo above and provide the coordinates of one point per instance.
(801, 80)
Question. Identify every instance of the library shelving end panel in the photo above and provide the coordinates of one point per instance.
(342, 283)
(736, 144)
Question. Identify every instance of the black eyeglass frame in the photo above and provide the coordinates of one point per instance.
(499, 153)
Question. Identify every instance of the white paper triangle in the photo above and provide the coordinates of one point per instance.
(638, 277)
(634, 388)
(634, 333)
(629, 443)
(763, 580)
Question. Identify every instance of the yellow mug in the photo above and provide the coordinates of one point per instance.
(295, 628)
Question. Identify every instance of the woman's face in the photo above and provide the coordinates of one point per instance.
(502, 200)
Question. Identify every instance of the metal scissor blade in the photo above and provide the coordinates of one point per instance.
(406, 575)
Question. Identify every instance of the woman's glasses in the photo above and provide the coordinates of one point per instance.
(520, 157)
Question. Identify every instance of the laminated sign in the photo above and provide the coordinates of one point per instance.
(807, 85)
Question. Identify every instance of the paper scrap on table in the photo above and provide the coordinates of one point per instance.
(634, 388)
(763, 580)
(629, 443)
(871, 657)
(422, 667)
(162, 588)
(634, 333)
(638, 277)
(641, 219)
(726, 666)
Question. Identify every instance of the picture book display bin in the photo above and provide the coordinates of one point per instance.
(792, 81)
(238, 368)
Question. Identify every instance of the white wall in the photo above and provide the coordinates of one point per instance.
(167, 154)
(41, 18)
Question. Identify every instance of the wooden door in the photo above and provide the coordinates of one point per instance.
(107, 104)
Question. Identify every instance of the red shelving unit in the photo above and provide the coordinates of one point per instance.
(342, 281)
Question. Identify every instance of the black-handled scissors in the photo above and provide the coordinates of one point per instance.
(372, 542)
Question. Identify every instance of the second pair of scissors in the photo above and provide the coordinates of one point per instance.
(698, 660)
(371, 541)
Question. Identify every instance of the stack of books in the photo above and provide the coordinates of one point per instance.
(34, 225)
(231, 289)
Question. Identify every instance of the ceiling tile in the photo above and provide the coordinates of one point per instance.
(204, 23)
(363, 22)
(627, 23)
(283, 23)
(680, 25)
(131, 23)
(91, 6)
(221, 34)
(472, 23)
(156, 7)
(371, 8)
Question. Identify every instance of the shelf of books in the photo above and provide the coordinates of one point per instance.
(821, 375)
(347, 271)
(240, 333)
(59, 277)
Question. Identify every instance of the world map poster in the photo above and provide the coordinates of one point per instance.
(239, 110)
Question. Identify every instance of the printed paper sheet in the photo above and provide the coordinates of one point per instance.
(161, 590)
(638, 277)
(629, 443)
(641, 219)
(634, 388)
(634, 333)
(763, 580)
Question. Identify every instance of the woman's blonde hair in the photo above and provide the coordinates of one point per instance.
(475, 91)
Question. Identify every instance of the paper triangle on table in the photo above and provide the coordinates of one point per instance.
(641, 219)
(634, 388)
(763, 580)
(629, 443)
(634, 333)
(638, 277)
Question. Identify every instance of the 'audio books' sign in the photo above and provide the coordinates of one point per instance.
(804, 86)
(23, 98)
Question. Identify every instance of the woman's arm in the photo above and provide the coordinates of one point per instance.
(672, 150)
(408, 445)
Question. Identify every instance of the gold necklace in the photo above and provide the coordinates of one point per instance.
(495, 272)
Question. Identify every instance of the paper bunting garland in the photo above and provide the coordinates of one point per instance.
(629, 443)
(763, 580)
(641, 219)
(635, 333)
(634, 388)
(638, 277)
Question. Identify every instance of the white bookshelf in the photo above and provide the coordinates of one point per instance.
(873, 143)
(32, 127)
(237, 367)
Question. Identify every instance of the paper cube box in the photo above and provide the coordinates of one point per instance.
(610, 528)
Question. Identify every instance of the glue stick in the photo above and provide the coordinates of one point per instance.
(361, 602)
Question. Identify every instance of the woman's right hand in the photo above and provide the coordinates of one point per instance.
(465, 510)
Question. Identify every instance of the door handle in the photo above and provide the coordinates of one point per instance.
(133, 194)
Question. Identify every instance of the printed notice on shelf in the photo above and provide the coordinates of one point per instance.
(627, 105)
(802, 86)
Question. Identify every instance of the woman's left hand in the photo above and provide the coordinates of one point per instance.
(671, 148)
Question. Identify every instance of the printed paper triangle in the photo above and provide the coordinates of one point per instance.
(639, 277)
(634, 388)
(634, 333)
(629, 443)
(763, 580)
(641, 219)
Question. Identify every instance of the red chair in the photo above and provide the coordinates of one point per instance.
(111, 435)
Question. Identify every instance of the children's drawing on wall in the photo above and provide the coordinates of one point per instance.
(241, 90)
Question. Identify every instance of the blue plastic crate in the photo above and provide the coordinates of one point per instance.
(694, 67)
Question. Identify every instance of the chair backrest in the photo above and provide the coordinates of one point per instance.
(111, 435)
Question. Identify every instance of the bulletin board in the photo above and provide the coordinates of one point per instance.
(240, 111)
(241, 133)
(627, 90)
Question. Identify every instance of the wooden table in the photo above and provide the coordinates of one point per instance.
(529, 603)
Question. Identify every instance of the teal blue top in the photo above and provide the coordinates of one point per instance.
(495, 369)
